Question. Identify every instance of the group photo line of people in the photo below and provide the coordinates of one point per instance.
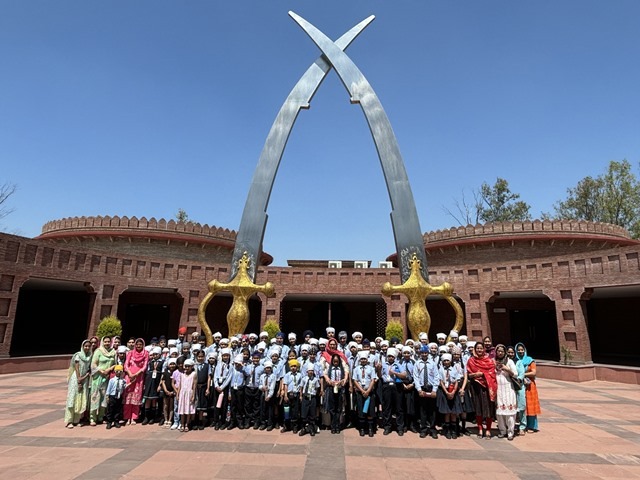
(251, 381)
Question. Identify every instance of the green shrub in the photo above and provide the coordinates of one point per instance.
(272, 327)
(109, 326)
(394, 329)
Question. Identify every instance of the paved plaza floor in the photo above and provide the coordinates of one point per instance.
(587, 430)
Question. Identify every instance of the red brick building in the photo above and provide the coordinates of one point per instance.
(558, 286)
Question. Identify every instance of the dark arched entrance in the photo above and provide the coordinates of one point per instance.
(149, 312)
(528, 317)
(349, 313)
(612, 313)
(52, 317)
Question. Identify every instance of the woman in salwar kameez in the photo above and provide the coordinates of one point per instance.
(531, 391)
(135, 367)
(102, 362)
(78, 389)
(521, 419)
(506, 400)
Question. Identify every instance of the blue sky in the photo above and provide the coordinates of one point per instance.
(141, 108)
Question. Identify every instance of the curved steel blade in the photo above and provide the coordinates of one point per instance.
(404, 216)
(254, 217)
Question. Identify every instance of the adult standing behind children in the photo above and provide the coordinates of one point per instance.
(135, 367)
(102, 362)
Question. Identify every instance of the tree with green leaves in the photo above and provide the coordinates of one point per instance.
(613, 197)
(182, 215)
(491, 203)
(499, 204)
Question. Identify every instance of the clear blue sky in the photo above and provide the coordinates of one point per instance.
(141, 108)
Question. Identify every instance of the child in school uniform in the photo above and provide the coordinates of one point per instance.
(168, 391)
(115, 395)
(448, 397)
(202, 379)
(152, 386)
(252, 373)
(291, 397)
(309, 388)
(267, 396)
(364, 381)
(236, 393)
(222, 378)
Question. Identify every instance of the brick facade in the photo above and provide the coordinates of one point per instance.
(560, 279)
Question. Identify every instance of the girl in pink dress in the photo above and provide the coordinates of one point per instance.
(187, 396)
(135, 367)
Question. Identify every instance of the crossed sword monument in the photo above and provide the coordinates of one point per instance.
(404, 217)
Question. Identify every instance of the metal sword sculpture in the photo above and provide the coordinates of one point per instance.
(404, 217)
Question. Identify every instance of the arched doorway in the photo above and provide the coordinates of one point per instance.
(149, 312)
(350, 313)
(52, 317)
(528, 317)
(612, 312)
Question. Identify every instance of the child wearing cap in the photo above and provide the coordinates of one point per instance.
(309, 388)
(291, 396)
(168, 391)
(152, 387)
(202, 379)
(252, 373)
(364, 381)
(236, 393)
(115, 395)
(186, 394)
(267, 401)
(222, 378)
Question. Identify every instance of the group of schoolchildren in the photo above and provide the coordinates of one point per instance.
(250, 381)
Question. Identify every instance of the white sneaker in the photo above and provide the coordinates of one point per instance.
(174, 427)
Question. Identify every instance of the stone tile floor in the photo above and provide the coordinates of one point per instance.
(587, 431)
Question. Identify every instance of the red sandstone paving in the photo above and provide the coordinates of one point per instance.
(571, 424)
(57, 463)
(612, 472)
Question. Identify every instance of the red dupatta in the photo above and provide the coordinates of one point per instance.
(486, 366)
(330, 352)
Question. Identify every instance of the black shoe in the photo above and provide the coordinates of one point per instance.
(256, 426)
(109, 426)
(302, 432)
(231, 426)
(387, 431)
(269, 428)
(145, 421)
(447, 434)
(217, 426)
(434, 434)
(224, 426)
(362, 432)
(312, 432)
(152, 421)
(371, 432)
(263, 426)
(423, 434)
(400, 433)
(117, 425)
(284, 430)
(413, 429)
